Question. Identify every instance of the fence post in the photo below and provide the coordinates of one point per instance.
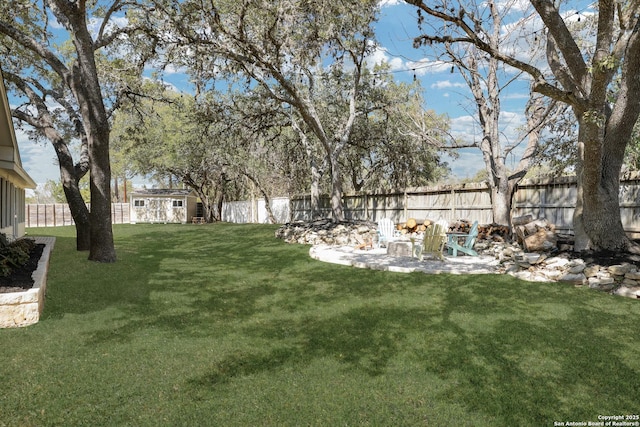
(366, 206)
(453, 204)
(405, 202)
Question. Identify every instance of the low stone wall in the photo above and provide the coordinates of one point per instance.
(616, 277)
(23, 308)
(325, 231)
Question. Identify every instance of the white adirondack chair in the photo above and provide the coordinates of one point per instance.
(386, 231)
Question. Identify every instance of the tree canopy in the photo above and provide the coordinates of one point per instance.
(75, 81)
(580, 73)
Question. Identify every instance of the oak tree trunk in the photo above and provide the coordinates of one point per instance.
(315, 188)
(86, 87)
(337, 209)
(501, 204)
(597, 219)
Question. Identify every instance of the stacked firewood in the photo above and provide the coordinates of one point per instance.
(494, 232)
(413, 226)
(535, 235)
(491, 232)
(461, 226)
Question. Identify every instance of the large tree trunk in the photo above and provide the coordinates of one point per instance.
(597, 212)
(315, 188)
(501, 203)
(601, 186)
(208, 210)
(70, 176)
(79, 213)
(337, 208)
(102, 246)
(265, 195)
(86, 87)
(316, 173)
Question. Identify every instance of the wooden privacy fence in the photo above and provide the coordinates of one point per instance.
(553, 199)
(58, 214)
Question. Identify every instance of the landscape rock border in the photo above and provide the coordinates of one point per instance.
(619, 279)
(506, 258)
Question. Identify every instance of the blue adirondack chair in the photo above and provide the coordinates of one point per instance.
(454, 244)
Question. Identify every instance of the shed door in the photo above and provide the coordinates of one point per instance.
(159, 210)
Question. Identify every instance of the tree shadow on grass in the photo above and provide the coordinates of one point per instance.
(554, 360)
(364, 339)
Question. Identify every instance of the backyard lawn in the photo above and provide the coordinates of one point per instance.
(224, 325)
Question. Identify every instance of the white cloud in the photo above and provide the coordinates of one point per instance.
(38, 158)
(446, 84)
(173, 69)
(380, 55)
(514, 5)
(467, 164)
(510, 96)
(115, 22)
(387, 3)
(427, 66)
(466, 129)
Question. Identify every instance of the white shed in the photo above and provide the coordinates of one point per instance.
(13, 178)
(162, 205)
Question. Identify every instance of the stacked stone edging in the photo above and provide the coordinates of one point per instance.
(325, 231)
(619, 279)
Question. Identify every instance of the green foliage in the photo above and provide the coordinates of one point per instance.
(388, 148)
(53, 192)
(13, 254)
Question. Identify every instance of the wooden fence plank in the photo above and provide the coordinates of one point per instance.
(553, 199)
(59, 214)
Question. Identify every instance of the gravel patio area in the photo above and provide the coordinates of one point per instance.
(377, 259)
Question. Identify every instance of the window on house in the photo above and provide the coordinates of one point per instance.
(138, 203)
(177, 203)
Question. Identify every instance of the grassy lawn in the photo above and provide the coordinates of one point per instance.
(224, 325)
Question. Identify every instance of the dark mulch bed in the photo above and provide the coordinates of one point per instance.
(20, 278)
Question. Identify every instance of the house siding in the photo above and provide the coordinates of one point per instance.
(12, 209)
(13, 178)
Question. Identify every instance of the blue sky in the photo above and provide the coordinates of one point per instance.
(445, 93)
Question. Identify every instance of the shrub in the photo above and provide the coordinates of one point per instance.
(14, 254)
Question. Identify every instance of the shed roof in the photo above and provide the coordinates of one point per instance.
(166, 192)
(10, 162)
